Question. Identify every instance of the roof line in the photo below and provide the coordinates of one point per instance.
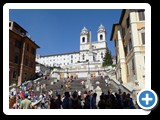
(19, 25)
(58, 54)
(113, 28)
(122, 15)
(24, 36)
(120, 21)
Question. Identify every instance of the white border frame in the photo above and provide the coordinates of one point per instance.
(8, 6)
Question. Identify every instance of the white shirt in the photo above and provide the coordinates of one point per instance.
(106, 81)
(79, 93)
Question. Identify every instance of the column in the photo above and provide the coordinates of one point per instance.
(20, 77)
(122, 61)
(138, 55)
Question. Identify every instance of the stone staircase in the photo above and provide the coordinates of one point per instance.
(102, 85)
(75, 85)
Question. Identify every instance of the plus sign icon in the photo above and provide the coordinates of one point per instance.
(147, 99)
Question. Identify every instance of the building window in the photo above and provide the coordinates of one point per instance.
(16, 59)
(26, 61)
(71, 56)
(127, 70)
(127, 21)
(130, 44)
(32, 63)
(33, 51)
(133, 68)
(94, 58)
(125, 50)
(141, 15)
(9, 24)
(123, 32)
(101, 37)
(83, 39)
(18, 44)
(27, 47)
(101, 55)
(143, 38)
(14, 74)
(25, 76)
(71, 61)
(83, 56)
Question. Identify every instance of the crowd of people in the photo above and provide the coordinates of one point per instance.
(76, 100)
(26, 98)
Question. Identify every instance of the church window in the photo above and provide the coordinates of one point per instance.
(101, 37)
(101, 55)
(83, 56)
(83, 39)
(94, 59)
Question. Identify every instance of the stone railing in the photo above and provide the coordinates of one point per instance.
(106, 69)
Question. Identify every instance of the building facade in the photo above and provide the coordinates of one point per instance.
(97, 50)
(40, 68)
(129, 39)
(22, 54)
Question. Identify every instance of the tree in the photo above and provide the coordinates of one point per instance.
(107, 60)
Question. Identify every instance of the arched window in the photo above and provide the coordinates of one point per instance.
(101, 37)
(101, 55)
(83, 56)
(83, 39)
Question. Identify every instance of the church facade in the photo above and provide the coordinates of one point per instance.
(89, 51)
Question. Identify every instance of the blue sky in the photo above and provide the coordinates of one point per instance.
(58, 30)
